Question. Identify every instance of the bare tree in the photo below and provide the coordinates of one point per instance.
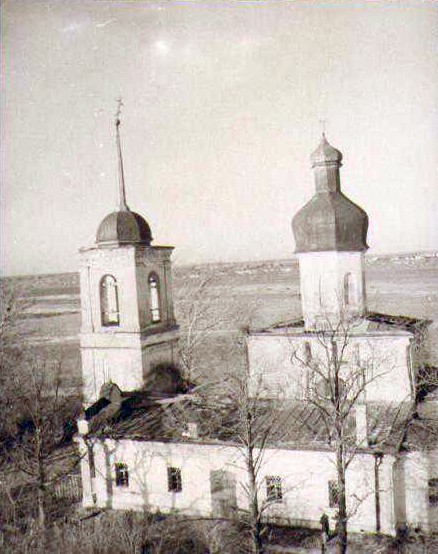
(335, 389)
(14, 335)
(240, 414)
(211, 319)
(41, 415)
(237, 414)
(35, 410)
(195, 304)
(11, 306)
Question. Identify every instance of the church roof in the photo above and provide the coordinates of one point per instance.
(373, 322)
(329, 221)
(298, 425)
(124, 227)
(381, 322)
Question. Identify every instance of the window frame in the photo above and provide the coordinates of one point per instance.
(432, 490)
(350, 292)
(333, 493)
(109, 317)
(274, 488)
(121, 472)
(154, 297)
(174, 479)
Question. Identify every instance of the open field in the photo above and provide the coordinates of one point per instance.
(254, 293)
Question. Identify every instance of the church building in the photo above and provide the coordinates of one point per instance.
(330, 236)
(129, 334)
(145, 441)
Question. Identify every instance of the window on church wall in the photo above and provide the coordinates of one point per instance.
(122, 475)
(433, 492)
(174, 480)
(349, 290)
(109, 301)
(274, 492)
(333, 494)
(154, 298)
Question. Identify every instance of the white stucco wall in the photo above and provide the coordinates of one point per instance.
(304, 473)
(120, 263)
(416, 476)
(433, 474)
(322, 285)
(122, 365)
(277, 368)
(131, 267)
(124, 359)
(124, 354)
(419, 469)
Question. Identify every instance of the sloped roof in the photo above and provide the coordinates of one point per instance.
(132, 411)
(330, 222)
(295, 425)
(373, 322)
(383, 322)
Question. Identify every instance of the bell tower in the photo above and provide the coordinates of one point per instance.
(330, 235)
(128, 332)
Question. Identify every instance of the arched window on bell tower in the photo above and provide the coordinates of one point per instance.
(154, 298)
(109, 301)
(349, 290)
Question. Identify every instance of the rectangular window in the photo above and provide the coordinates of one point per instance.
(122, 475)
(273, 488)
(333, 494)
(174, 482)
(433, 492)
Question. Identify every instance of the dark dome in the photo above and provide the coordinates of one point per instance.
(330, 221)
(124, 227)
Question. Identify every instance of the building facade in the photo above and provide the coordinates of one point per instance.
(129, 334)
(133, 459)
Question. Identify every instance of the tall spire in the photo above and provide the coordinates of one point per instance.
(322, 122)
(122, 193)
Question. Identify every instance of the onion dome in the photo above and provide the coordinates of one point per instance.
(325, 153)
(124, 227)
(329, 221)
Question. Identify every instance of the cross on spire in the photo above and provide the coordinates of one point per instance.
(122, 193)
(322, 122)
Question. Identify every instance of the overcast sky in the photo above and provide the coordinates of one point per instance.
(223, 102)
